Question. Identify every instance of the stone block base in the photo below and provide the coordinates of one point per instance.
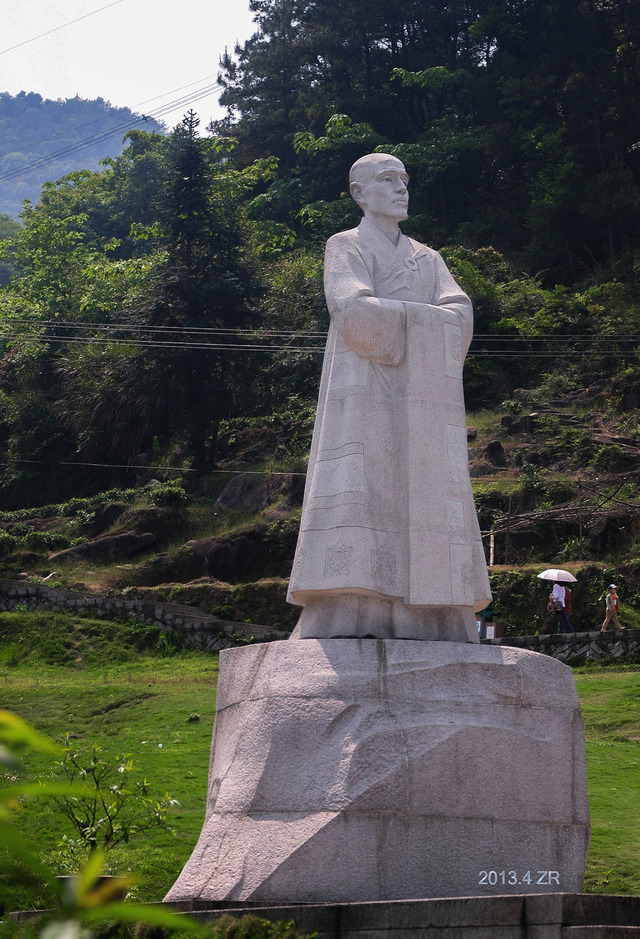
(548, 916)
(347, 770)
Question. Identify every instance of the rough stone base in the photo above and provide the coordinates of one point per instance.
(348, 770)
(548, 916)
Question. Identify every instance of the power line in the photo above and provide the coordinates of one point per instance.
(198, 330)
(171, 104)
(70, 149)
(249, 340)
(145, 466)
(179, 88)
(234, 339)
(174, 346)
(256, 347)
(55, 29)
(266, 331)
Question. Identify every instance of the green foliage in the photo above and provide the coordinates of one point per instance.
(166, 494)
(32, 129)
(613, 457)
(46, 541)
(75, 506)
(515, 122)
(112, 807)
(532, 481)
(59, 698)
(251, 926)
(575, 549)
(60, 638)
(87, 898)
(105, 355)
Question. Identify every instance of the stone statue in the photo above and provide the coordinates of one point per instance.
(389, 543)
(345, 771)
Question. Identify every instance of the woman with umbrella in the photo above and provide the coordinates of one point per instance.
(558, 596)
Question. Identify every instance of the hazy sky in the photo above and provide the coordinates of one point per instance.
(154, 56)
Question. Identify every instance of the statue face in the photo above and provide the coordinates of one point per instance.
(380, 188)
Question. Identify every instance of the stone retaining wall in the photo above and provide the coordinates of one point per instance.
(207, 632)
(545, 916)
(200, 630)
(567, 646)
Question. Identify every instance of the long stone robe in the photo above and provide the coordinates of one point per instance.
(388, 511)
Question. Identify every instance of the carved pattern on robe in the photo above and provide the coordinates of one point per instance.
(457, 453)
(452, 350)
(384, 566)
(455, 513)
(339, 471)
(337, 559)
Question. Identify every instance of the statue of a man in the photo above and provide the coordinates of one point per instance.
(389, 543)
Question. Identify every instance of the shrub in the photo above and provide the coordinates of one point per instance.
(110, 810)
(167, 494)
(7, 543)
(613, 457)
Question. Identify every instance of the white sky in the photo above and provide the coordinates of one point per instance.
(125, 51)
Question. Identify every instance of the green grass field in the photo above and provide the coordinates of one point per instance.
(156, 704)
(124, 688)
(610, 701)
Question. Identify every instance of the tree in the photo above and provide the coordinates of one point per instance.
(42, 140)
(520, 115)
(8, 228)
(205, 285)
(107, 327)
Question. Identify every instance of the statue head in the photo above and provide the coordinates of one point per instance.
(378, 183)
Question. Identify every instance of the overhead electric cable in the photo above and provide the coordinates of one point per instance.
(173, 90)
(70, 149)
(172, 344)
(62, 26)
(145, 466)
(266, 331)
(37, 143)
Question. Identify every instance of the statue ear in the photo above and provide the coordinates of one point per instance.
(356, 191)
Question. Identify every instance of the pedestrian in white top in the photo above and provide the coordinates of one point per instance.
(611, 609)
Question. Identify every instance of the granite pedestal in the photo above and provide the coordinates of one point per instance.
(348, 770)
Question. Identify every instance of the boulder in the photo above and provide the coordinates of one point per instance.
(229, 559)
(163, 521)
(525, 424)
(495, 454)
(111, 546)
(248, 492)
(481, 468)
(105, 515)
(252, 492)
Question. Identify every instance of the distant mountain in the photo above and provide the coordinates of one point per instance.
(42, 140)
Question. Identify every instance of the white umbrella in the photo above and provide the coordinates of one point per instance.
(556, 573)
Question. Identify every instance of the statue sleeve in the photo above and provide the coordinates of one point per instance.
(448, 302)
(371, 326)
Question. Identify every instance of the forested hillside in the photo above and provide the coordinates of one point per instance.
(42, 140)
(164, 317)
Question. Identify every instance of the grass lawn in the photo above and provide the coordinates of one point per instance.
(91, 680)
(610, 701)
(157, 705)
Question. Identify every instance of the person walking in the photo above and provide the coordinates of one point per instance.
(558, 596)
(611, 609)
(568, 608)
